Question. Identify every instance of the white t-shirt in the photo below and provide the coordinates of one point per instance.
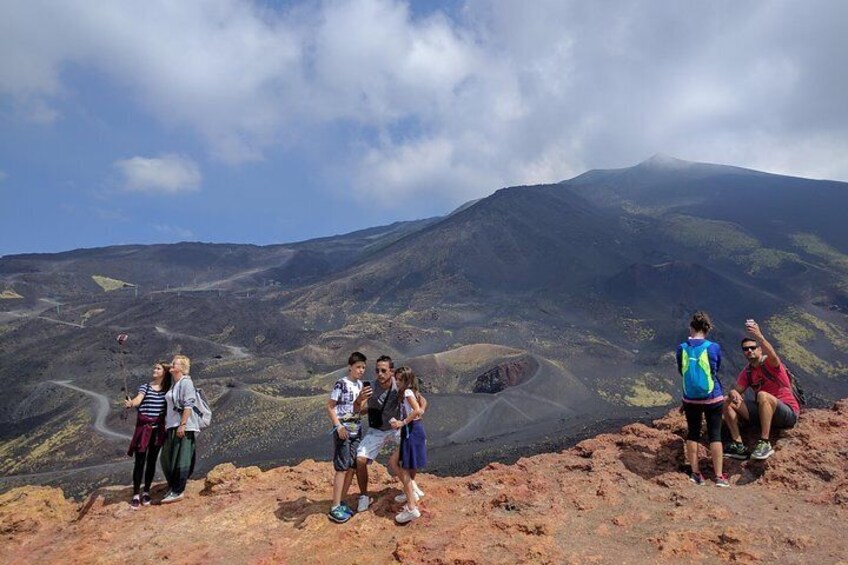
(407, 407)
(344, 393)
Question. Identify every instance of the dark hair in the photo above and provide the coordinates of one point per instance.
(166, 378)
(356, 357)
(407, 380)
(747, 339)
(701, 322)
(386, 359)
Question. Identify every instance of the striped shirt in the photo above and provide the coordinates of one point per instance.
(153, 403)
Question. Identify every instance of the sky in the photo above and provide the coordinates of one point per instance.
(242, 121)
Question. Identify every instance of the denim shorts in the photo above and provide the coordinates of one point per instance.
(344, 451)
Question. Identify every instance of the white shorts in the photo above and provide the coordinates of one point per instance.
(374, 442)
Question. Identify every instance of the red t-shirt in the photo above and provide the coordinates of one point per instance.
(778, 385)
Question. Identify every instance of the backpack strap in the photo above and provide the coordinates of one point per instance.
(770, 376)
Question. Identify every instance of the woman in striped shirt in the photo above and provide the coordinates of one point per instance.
(149, 430)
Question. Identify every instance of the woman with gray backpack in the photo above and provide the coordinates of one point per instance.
(181, 426)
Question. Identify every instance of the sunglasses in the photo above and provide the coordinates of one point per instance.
(750, 347)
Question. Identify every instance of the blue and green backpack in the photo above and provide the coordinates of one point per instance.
(698, 381)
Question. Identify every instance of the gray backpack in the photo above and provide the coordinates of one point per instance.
(201, 407)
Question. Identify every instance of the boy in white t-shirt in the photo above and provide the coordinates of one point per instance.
(344, 406)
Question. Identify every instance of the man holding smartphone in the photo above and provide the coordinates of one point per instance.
(383, 405)
(775, 405)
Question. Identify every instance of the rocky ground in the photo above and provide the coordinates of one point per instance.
(616, 498)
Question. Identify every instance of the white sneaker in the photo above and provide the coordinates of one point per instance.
(172, 497)
(364, 502)
(419, 494)
(407, 516)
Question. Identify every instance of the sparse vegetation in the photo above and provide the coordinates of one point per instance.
(721, 240)
(93, 312)
(792, 331)
(833, 258)
(725, 240)
(637, 330)
(109, 284)
(641, 394)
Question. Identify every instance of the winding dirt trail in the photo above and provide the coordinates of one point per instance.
(102, 409)
(235, 351)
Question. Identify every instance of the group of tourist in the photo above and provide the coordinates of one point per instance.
(394, 406)
(166, 423)
(773, 406)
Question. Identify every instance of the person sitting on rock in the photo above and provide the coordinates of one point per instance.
(775, 405)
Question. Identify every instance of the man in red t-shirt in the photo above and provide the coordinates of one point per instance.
(775, 405)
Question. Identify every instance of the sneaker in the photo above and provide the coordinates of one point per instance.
(338, 514)
(346, 509)
(763, 450)
(407, 516)
(145, 499)
(135, 503)
(736, 450)
(401, 498)
(722, 480)
(172, 497)
(697, 478)
(364, 502)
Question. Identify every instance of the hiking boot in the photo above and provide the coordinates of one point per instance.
(172, 497)
(145, 499)
(364, 502)
(736, 450)
(722, 480)
(407, 516)
(135, 503)
(338, 514)
(763, 450)
(697, 478)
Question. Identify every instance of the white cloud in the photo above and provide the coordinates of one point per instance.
(451, 108)
(168, 174)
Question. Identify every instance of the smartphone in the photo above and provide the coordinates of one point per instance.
(366, 383)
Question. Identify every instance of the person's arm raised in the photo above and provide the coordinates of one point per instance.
(771, 355)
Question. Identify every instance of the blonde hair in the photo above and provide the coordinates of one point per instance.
(184, 363)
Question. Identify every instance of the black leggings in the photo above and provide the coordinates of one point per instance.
(140, 459)
(693, 420)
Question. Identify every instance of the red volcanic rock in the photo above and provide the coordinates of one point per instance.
(616, 498)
